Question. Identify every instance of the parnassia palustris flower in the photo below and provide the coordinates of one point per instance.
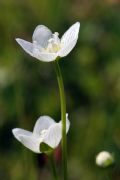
(46, 130)
(47, 46)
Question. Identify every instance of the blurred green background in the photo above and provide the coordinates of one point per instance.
(28, 87)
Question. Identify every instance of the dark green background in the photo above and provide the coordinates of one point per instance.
(28, 87)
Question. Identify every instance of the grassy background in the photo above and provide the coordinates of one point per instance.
(28, 88)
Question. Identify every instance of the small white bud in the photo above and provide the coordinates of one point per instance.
(104, 159)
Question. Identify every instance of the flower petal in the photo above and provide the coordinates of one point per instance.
(67, 123)
(54, 134)
(30, 142)
(69, 39)
(27, 46)
(41, 35)
(18, 132)
(43, 123)
(44, 56)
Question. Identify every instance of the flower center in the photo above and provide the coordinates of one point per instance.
(54, 44)
(42, 134)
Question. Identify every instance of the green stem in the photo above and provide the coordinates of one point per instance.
(63, 117)
(51, 156)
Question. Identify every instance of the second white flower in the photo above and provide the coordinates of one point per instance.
(46, 130)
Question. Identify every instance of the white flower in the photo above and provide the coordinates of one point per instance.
(46, 130)
(104, 159)
(46, 46)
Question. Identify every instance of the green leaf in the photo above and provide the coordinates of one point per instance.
(44, 148)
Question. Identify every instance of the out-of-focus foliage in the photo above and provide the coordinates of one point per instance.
(28, 88)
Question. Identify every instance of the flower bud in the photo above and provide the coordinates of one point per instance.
(104, 159)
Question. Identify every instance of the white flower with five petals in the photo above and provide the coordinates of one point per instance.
(46, 46)
(46, 130)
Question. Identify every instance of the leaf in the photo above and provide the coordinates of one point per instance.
(44, 148)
